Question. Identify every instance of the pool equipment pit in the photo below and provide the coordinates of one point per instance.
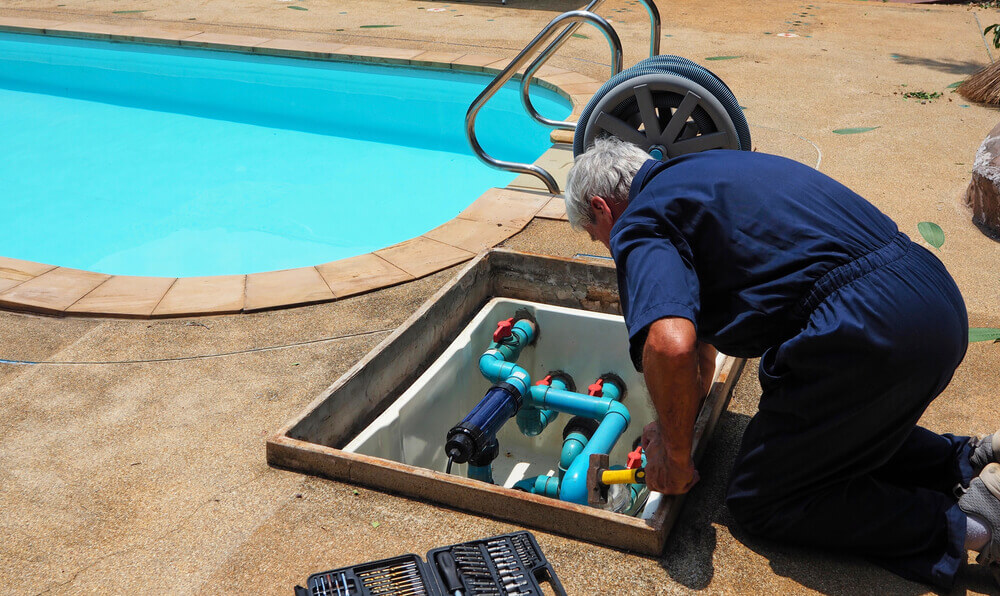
(529, 411)
(517, 369)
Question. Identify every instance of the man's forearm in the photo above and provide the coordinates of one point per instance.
(671, 368)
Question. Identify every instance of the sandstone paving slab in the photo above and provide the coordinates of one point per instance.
(474, 61)
(359, 274)
(557, 161)
(85, 29)
(203, 295)
(436, 58)
(155, 34)
(295, 47)
(287, 287)
(124, 296)
(420, 256)
(223, 41)
(506, 206)
(554, 209)
(471, 236)
(15, 24)
(378, 54)
(53, 291)
(15, 271)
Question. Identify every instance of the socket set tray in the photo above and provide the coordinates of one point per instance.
(505, 565)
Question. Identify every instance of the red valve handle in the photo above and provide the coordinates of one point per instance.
(634, 459)
(546, 381)
(504, 330)
(597, 389)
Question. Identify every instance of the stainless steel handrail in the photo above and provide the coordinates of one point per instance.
(573, 16)
(529, 73)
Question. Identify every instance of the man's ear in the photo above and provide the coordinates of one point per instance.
(600, 206)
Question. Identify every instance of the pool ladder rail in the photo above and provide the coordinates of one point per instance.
(569, 22)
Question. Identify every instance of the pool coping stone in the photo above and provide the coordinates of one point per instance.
(497, 215)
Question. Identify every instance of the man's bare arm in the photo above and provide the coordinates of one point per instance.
(671, 363)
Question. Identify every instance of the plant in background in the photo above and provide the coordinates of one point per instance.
(995, 28)
(984, 86)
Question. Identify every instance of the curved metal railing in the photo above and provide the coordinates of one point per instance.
(567, 18)
(529, 73)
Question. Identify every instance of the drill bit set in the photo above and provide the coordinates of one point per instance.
(506, 565)
(398, 576)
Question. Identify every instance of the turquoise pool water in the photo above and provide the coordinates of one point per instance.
(141, 160)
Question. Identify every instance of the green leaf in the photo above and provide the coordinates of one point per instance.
(984, 334)
(955, 85)
(854, 131)
(722, 57)
(932, 233)
(127, 11)
(376, 524)
(354, 492)
(293, 7)
(377, 26)
(581, 36)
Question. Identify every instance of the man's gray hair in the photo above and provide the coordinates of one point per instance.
(605, 170)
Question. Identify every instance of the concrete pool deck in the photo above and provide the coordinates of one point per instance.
(133, 450)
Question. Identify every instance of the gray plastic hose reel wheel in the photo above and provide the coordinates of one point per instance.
(668, 106)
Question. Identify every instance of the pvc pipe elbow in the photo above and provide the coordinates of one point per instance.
(532, 421)
(497, 370)
(617, 407)
(573, 446)
(539, 485)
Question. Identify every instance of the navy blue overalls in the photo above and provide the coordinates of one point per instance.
(857, 328)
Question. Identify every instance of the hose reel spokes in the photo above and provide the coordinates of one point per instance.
(668, 106)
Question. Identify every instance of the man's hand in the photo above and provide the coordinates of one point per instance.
(661, 475)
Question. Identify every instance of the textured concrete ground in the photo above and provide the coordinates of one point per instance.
(120, 475)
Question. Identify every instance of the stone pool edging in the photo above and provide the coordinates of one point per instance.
(494, 217)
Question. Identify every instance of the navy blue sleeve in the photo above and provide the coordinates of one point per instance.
(656, 279)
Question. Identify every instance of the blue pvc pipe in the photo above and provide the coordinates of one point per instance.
(610, 390)
(521, 334)
(540, 485)
(484, 473)
(532, 421)
(497, 370)
(574, 443)
(573, 487)
(497, 363)
(572, 447)
(578, 404)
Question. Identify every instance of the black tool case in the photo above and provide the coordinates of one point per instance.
(505, 565)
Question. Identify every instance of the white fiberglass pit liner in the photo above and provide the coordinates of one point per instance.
(583, 344)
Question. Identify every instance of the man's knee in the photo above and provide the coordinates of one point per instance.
(756, 514)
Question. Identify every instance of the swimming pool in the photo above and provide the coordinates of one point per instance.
(145, 160)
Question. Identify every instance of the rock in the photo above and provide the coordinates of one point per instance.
(983, 194)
